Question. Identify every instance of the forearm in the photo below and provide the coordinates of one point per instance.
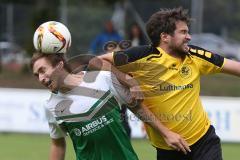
(172, 139)
(231, 67)
(143, 113)
(57, 149)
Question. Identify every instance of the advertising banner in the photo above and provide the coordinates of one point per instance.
(21, 110)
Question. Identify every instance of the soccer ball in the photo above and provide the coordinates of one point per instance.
(52, 37)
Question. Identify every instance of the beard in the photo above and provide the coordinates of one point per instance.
(52, 86)
(181, 50)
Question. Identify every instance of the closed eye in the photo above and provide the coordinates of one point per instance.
(35, 74)
(184, 31)
(41, 70)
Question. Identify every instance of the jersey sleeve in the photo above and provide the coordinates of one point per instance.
(207, 62)
(121, 92)
(129, 60)
(54, 129)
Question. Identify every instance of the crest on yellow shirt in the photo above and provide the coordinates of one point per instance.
(185, 71)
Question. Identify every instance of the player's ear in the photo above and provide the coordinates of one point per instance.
(164, 37)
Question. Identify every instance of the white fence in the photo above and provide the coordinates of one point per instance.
(21, 110)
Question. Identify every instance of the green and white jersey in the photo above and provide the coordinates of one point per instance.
(90, 115)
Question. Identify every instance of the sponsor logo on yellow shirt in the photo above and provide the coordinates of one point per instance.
(174, 87)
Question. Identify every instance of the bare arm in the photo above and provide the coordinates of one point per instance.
(231, 67)
(57, 149)
(173, 140)
(108, 57)
(104, 63)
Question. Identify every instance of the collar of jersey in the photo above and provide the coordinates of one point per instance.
(166, 54)
(187, 59)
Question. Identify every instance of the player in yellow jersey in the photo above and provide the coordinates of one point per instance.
(169, 73)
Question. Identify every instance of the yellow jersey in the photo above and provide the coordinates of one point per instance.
(171, 88)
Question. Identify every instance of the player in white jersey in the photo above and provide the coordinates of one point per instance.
(86, 106)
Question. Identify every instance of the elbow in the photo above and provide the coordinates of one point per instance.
(59, 142)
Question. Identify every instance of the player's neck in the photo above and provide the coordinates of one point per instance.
(172, 52)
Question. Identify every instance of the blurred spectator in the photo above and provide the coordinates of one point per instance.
(136, 36)
(109, 34)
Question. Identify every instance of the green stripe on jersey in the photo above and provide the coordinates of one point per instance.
(107, 97)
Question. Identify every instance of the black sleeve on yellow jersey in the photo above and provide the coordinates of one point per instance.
(133, 54)
(200, 52)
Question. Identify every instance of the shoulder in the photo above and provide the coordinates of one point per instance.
(105, 74)
(54, 99)
(53, 96)
(97, 76)
(133, 54)
(206, 55)
(100, 73)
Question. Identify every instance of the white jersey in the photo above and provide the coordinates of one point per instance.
(90, 114)
(81, 99)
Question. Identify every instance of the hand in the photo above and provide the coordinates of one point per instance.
(136, 93)
(135, 89)
(136, 96)
(175, 141)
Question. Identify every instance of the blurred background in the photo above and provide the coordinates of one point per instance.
(215, 26)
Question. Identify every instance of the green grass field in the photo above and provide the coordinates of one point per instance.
(36, 147)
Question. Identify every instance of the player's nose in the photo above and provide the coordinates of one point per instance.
(42, 78)
(188, 37)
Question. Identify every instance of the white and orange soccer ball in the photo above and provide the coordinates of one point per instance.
(52, 37)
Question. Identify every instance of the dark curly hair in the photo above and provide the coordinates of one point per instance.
(164, 21)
